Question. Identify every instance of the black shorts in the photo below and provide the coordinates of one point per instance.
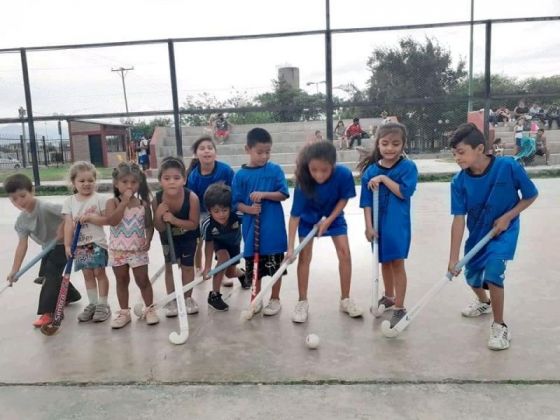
(185, 247)
(232, 250)
(268, 265)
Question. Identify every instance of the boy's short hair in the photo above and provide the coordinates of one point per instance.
(469, 134)
(258, 135)
(356, 119)
(218, 194)
(541, 130)
(17, 182)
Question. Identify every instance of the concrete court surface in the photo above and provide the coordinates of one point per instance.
(440, 363)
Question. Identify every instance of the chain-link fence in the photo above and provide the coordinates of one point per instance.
(416, 74)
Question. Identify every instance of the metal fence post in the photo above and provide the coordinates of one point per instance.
(176, 117)
(29, 105)
(487, 79)
(328, 72)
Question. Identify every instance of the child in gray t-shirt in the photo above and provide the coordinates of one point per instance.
(42, 222)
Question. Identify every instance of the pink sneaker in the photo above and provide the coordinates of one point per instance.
(44, 319)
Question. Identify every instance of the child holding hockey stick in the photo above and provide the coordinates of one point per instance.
(394, 176)
(43, 222)
(178, 206)
(486, 191)
(258, 188)
(130, 218)
(203, 171)
(88, 207)
(323, 190)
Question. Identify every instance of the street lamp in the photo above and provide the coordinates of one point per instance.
(316, 84)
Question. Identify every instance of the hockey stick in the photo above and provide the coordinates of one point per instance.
(248, 314)
(256, 257)
(138, 308)
(54, 326)
(183, 335)
(409, 317)
(375, 309)
(48, 248)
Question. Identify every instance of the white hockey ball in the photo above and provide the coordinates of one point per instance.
(312, 341)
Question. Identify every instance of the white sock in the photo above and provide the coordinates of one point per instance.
(92, 296)
(103, 300)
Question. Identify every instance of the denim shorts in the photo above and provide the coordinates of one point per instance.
(493, 272)
(90, 256)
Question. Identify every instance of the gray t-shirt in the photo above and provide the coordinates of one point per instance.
(41, 224)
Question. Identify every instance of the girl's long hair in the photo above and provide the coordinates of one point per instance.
(375, 156)
(195, 162)
(131, 168)
(323, 150)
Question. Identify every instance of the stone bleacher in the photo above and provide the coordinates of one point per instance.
(287, 138)
(506, 133)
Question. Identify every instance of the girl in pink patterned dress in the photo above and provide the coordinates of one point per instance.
(130, 218)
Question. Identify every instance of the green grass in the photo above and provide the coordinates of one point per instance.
(51, 173)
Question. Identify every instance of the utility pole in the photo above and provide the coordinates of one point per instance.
(22, 112)
(123, 71)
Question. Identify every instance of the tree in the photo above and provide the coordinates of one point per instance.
(416, 72)
(146, 128)
(300, 105)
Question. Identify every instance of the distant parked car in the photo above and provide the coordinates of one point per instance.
(8, 162)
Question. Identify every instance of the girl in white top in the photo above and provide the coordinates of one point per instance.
(88, 207)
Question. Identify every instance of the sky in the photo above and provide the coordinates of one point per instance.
(81, 81)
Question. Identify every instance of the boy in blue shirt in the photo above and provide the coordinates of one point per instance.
(259, 187)
(221, 231)
(487, 192)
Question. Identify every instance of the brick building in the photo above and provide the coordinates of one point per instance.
(103, 144)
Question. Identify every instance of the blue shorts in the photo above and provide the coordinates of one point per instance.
(90, 256)
(185, 247)
(493, 272)
(232, 249)
(337, 228)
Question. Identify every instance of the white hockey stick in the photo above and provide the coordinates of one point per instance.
(248, 313)
(374, 309)
(407, 319)
(183, 335)
(48, 248)
(139, 307)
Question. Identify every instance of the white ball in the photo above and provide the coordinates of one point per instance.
(312, 341)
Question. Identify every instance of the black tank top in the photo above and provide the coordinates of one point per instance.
(183, 213)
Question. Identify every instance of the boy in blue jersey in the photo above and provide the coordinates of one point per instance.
(221, 231)
(259, 187)
(486, 191)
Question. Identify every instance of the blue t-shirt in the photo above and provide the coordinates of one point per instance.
(394, 212)
(198, 183)
(483, 199)
(267, 178)
(340, 186)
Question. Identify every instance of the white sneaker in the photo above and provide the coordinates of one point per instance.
(227, 282)
(476, 308)
(151, 316)
(300, 311)
(192, 306)
(122, 318)
(349, 306)
(500, 336)
(272, 308)
(171, 309)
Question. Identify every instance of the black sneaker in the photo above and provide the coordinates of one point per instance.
(216, 302)
(39, 280)
(72, 298)
(245, 282)
(398, 314)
